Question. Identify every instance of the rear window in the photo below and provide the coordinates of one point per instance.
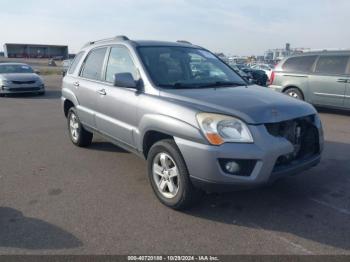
(299, 63)
(332, 64)
(75, 62)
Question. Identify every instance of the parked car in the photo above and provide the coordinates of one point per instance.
(19, 78)
(265, 67)
(254, 76)
(199, 127)
(259, 76)
(245, 75)
(320, 78)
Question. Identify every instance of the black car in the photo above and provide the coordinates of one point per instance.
(255, 76)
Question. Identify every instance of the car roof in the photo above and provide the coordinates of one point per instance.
(324, 52)
(161, 43)
(136, 43)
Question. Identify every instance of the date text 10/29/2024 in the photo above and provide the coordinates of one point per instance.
(173, 258)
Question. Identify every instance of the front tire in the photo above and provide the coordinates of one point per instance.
(169, 176)
(77, 133)
(295, 93)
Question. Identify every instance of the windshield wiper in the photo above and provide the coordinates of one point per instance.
(222, 84)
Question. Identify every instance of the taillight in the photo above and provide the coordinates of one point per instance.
(272, 77)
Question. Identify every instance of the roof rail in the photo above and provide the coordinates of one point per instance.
(121, 37)
(184, 42)
(118, 37)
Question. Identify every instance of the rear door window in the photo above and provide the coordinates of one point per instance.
(301, 64)
(93, 65)
(333, 65)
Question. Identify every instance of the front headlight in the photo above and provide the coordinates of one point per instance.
(219, 129)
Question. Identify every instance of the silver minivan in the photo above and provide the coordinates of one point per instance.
(320, 78)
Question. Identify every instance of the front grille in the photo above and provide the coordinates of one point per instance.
(301, 133)
(23, 82)
(24, 89)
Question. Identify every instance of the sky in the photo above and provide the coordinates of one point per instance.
(239, 27)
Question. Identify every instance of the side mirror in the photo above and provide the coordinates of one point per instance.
(125, 80)
(37, 72)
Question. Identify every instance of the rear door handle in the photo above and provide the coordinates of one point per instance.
(343, 80)
(102, 92)
(76, 84)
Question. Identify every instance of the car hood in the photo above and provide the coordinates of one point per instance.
(20, 77)
(253, 104)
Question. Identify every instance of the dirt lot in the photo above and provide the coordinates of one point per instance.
(56, 198)
(42, 65)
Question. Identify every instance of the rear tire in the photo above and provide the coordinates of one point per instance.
(171, 181)
(295, 93)
(77, 133)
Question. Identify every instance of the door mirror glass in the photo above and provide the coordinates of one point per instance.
(125, 80)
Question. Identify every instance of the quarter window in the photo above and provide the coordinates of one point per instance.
(75, 62)
(332, 64)
(299, 64)
(119, 61)
(93, 65)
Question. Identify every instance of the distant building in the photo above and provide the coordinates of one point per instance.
(35, 51)
(281, 53)
(238, 59)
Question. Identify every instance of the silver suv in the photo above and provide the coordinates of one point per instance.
(200, 126)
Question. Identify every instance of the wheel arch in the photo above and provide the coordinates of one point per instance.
(154, 128)
(68, 100)
(67, 104)
(150, 138)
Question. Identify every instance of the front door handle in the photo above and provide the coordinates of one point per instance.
(343, 81)
(102, 92)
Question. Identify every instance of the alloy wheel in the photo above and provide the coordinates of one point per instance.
(166, 175)
(293, 94)
(74, 127)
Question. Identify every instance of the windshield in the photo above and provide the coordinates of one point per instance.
(184, 67)
(10, 69)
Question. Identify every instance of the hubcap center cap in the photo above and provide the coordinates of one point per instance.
(166, 174)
